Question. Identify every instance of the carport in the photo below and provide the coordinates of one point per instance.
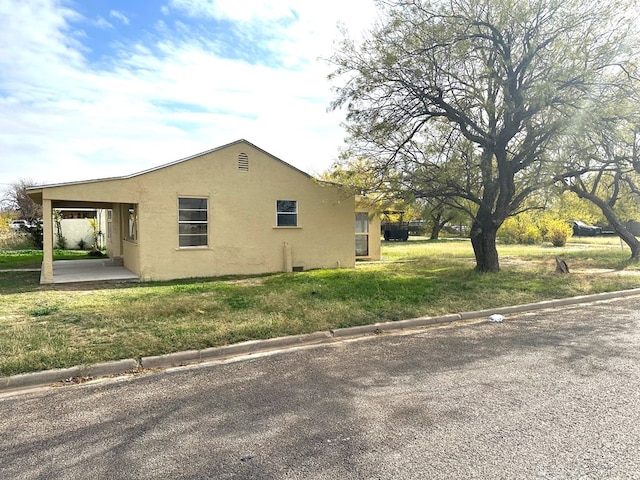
(122, 261)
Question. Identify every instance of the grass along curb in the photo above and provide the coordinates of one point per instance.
(75, 374)
(49, 327)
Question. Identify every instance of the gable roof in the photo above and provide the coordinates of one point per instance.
(170, 164)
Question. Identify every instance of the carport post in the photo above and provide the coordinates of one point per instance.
(47, 242)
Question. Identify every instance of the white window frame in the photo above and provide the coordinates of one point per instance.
(109, 223)
(363, 234)
(131, 222)
(182, 223)
(285, 213)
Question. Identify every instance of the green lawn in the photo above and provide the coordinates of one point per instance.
(59, 326)
(33, 258)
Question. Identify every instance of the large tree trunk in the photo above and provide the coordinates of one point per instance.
(626, 236)
(483, 240)
(435, 231)
(633, 243)
(438, 222)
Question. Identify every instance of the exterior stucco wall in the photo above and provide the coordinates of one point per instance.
(105, 191)
(243, 237)
(374, 238)
(131, 257)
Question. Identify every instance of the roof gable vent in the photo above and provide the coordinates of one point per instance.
(243, 162)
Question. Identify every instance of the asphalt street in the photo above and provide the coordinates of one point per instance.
(553, 394)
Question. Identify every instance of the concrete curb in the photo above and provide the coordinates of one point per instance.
(398, 325)
(118, 367)
(115, 367)
(244, 348)
(26, 380)
(48, 377)
(170, 359)
(255, 346)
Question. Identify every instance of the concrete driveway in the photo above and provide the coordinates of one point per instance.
(550, 395)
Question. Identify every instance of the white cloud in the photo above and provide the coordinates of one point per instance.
(102, 23)
(62, 119)
(120, 16)
(264, 10)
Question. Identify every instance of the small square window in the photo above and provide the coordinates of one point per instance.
(287, 213)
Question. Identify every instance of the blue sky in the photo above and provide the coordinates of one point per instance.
(96, 88)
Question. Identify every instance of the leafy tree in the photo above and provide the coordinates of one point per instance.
(601, 169)
(5, 221)
(359, 177)
(438, 213)
(36, 233)
(569, 206)
(463, 98)
(61, 240)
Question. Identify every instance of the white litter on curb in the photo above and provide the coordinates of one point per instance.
(496, 317)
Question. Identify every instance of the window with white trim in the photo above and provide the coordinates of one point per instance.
(287, 213)
(362, 234)
(109, 223)
(193, 222)
(132, 223)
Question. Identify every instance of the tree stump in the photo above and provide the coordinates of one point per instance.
(561, 266)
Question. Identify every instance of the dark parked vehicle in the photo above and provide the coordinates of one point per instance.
(398, 230)
(581, 229)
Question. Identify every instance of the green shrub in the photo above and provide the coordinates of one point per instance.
(557, 232)
(529, 229)
(532, 235)
(36, 235)
(61, 242)
(520, 230)
(508, 232)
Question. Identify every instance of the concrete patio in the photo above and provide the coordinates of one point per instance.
(98, 270)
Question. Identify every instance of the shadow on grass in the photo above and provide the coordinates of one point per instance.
(63, 325)
(19, 282)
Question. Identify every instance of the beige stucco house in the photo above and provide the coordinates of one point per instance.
(232, 210)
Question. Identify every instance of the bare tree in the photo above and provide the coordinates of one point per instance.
(15, 199)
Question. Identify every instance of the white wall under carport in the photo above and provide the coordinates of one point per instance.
(74, 230)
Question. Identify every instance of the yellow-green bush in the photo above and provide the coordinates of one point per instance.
(527, 229)
(521, 230)
(557, 232)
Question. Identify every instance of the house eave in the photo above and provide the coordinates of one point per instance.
(36, 191)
